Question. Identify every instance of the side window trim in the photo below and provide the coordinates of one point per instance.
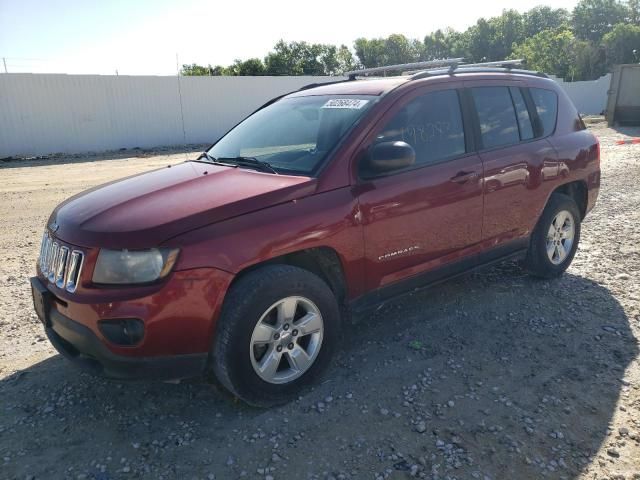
(470, 123)
(533, 113)
(515, 109)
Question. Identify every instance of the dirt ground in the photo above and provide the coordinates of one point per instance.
(494, 375)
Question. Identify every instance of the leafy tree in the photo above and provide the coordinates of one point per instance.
(597, 35)
(592, 19)
(480, 41)
(302, 58)
(508, 30)
(437, 45)
(548, 51)
(195, 70)
(633, 13)
(253, 66)
(622, 44)
(370, 53)
(544, 18)
(345, 61)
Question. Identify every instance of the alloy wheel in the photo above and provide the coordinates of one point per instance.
(286, 340)
(560, 237)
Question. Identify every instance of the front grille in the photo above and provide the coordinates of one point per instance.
(60, 264)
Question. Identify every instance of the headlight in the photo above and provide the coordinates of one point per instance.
(133, 266)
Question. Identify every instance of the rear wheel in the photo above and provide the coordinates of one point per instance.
(555, 239)
(276, 334)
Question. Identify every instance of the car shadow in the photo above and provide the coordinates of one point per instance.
(494, 375)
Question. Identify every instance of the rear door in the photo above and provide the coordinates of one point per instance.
(426, 215)
(516, 160)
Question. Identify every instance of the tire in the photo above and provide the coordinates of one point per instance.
(259, 306)
(551, 263)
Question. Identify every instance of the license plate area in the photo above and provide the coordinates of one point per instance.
(42, 299)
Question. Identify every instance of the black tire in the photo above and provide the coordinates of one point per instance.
(246, 302)
(537, 262)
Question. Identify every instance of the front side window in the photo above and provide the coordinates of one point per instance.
(546, 103)
(498, 124)
(431, 124)
(294, 135)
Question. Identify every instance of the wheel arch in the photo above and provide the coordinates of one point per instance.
(576, 190)
(321, 261)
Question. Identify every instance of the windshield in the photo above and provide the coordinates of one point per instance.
(294, 135)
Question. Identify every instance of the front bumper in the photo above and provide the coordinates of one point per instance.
(81, 346)
(179, 319)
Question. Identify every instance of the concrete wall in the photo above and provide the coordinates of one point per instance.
(590, 97)
(624, 96)
(50, 113)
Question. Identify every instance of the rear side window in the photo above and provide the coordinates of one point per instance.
(431, 124)
(524, 121)
(546, 103)
(498, 124)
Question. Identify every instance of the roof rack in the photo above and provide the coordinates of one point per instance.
(499, 66)
(403, 67)
(449, 66)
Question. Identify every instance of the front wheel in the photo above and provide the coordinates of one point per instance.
(276, 334)
(555, 239)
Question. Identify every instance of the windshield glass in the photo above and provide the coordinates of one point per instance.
(294, 135)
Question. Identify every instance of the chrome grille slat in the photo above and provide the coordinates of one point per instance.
(54, 262)
(59, 264)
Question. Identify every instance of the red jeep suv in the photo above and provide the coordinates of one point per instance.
(324, 201)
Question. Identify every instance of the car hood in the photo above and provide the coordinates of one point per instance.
(144, 210)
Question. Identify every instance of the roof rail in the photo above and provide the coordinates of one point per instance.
(498, 66)
(403, 67)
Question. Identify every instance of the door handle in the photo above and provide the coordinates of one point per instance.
(464, 177)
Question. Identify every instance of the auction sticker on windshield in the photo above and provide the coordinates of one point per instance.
(345, 103)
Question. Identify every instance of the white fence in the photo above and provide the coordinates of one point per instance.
(50, 113)
(590, 97)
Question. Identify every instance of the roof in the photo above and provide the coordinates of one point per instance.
(376, 86)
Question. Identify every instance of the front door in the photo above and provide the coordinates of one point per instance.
(424, 216)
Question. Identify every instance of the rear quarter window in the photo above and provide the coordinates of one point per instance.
(546, 102)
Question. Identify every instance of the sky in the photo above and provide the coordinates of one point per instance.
(143, 37)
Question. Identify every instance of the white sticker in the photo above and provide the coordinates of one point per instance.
(353, 103)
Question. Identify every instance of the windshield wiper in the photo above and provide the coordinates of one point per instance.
(249, 162)
(210, 159)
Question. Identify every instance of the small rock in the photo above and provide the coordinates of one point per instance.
(421, 427)
(613, 452)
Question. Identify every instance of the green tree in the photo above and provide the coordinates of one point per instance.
(251, 67)
(622, 44)
(437, 45)
(544, 18)
(548, 51)
(370, 52)
(195, 70)
(508, 30)
(633, 11)
(301, 58)
(592, 19)
(345, 61)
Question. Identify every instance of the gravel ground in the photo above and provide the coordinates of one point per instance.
(494, 375)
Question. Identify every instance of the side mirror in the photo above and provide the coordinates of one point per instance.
(386, 157)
